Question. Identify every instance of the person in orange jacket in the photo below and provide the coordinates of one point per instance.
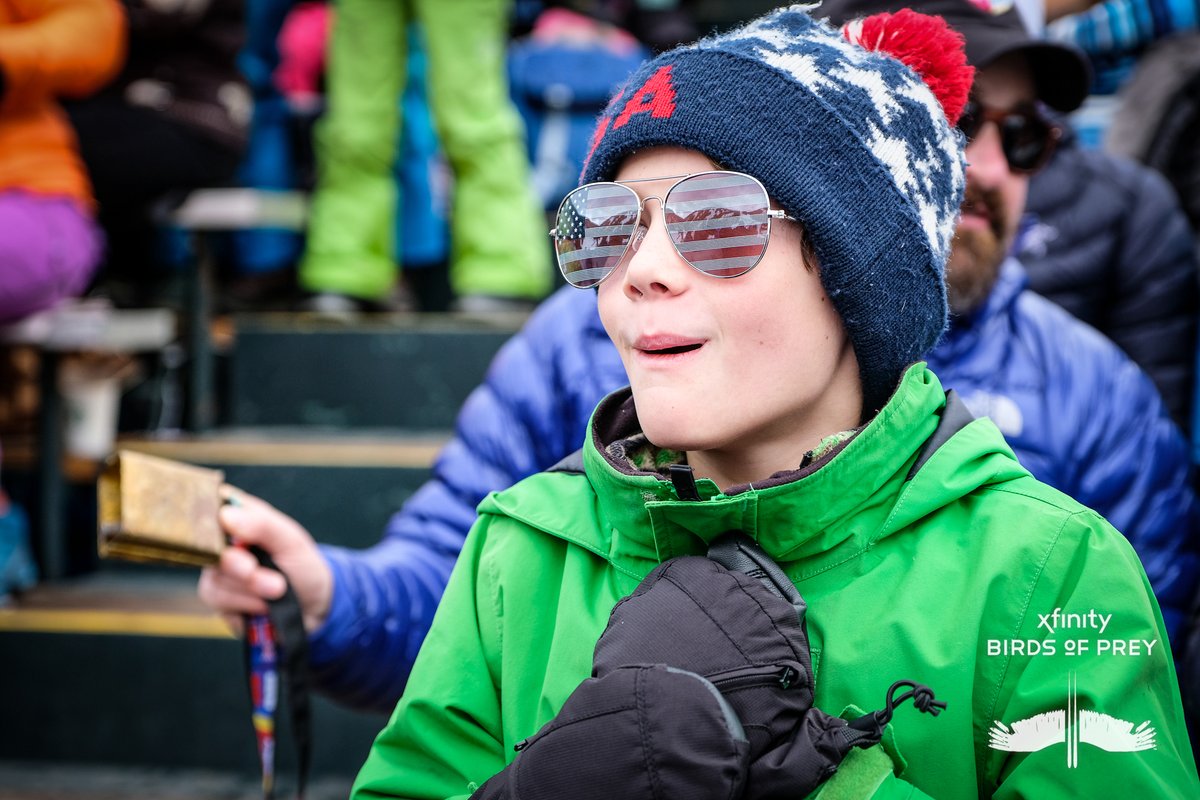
(49, 241)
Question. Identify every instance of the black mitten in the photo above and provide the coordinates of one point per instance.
(736, 619)
(642, 732)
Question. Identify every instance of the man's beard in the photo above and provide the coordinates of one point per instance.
(976, 255)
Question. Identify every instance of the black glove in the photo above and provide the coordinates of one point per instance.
(637, 732)
(736, 619)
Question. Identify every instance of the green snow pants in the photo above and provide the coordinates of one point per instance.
(498, 235)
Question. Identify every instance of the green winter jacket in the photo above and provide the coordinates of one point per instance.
(951, 577)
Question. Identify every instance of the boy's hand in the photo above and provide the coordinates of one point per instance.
(740, 625)
(240, 585)
(650, 731)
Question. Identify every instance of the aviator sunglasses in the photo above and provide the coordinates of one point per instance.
(719, 223)
(1027, 137)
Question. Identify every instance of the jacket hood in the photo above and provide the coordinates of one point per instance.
(821, 514)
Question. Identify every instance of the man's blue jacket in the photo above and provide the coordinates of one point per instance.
(1106, 239)
(1078, 413)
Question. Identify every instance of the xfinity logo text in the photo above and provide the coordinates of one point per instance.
(1057, 619)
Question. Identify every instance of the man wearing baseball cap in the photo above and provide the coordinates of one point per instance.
(1101, 236)
(992, 29)
(1083, 417)
(1009, 133)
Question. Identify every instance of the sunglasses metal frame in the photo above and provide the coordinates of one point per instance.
(1054, 132)
(772, 213)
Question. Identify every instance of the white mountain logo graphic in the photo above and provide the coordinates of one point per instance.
(1071, 726)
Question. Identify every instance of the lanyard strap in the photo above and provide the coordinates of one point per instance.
(275, 646)
(262, 669)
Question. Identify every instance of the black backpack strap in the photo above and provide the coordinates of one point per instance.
(571, 464)
(955, 416)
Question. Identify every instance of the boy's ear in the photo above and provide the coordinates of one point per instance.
(808, 253)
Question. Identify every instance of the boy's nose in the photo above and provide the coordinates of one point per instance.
(653, 265)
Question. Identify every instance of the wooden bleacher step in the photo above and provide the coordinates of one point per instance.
(381, 371)
(299, 447)
(129, 604)
(130, 671)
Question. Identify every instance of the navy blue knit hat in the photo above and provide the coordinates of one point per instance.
(850, 141)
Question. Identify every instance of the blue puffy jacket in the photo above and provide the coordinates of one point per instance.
(1106, 239)
(533, 407)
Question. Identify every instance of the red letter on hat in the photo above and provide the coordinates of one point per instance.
(657, 96)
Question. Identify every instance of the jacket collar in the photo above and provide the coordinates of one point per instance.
(817, 515)
(809, 524)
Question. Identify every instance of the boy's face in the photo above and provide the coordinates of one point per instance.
(746, 373)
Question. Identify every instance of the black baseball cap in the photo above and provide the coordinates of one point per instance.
(992, 28)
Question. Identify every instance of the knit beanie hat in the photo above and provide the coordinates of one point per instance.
(848, 140)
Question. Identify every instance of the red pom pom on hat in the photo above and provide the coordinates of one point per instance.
(926, 45)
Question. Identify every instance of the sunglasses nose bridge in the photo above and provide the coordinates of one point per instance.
(653, 264)
(642, 202)
(644, 221)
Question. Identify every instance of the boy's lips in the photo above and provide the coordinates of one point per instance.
(666, 346)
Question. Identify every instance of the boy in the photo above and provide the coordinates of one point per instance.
(766, 217)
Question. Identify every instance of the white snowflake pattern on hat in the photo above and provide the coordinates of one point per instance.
(849, 79)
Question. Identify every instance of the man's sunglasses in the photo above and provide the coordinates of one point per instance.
(1027, 137)
(719, 223)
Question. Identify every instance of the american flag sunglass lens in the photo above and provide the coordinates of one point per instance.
(594, 226)
(719, 222)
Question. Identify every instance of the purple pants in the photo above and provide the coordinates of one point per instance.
(49, 248)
